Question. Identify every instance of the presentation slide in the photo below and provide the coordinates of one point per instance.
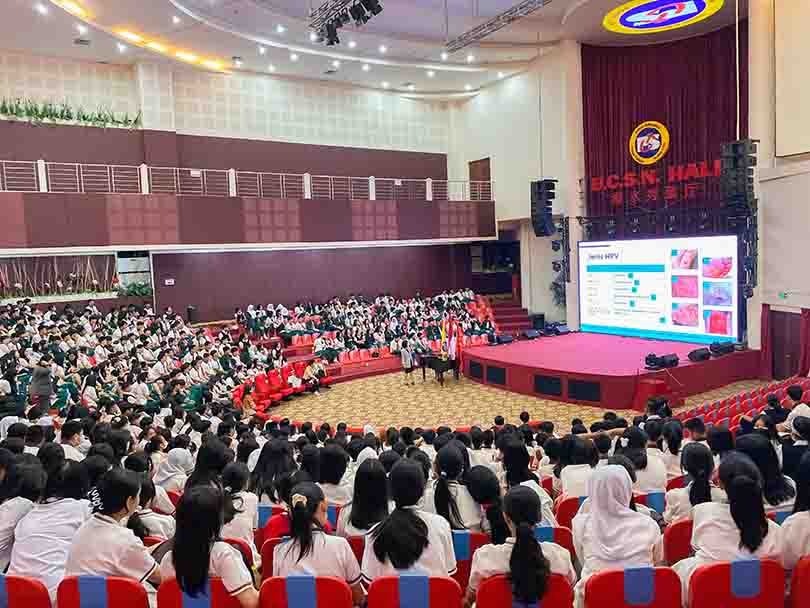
(669, 289)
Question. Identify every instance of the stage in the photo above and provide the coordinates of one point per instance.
(601, 370)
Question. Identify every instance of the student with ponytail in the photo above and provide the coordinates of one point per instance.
(698, 464)
(528, 563)
(409, 538)
(486, 491)
(448, 496)
(145, 522)
(778, 490)
(796, 528)
(735, 530)
(310, 550)
(671, 443)
(517, 473)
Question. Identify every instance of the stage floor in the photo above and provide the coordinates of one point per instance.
(600, 369)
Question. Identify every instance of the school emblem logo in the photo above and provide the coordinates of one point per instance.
(649, 142)
(651, 16)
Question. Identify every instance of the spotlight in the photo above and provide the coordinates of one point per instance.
(122, 48)
(386, 84)
(313, 37)
(501, 74)
(336, 64)
(372, 6)
(444, 56)
(42, 9)
(431, 73)
(352, 44)
(556, 245)
(176, 20)
(383, 49)
(366, 67)
(293, 56)
(556, 266)
(280, 29)
(344, 17)
(262, 50)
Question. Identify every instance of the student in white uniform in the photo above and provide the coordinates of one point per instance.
(334, 461)
(172, 473)
(71, 439)
(485, 489)
(778, 490)
(651, 472)
(735, 530)
(527, 562)
(140, 463)
(310, 550)
(25, 484)
(672, 435)
(517, 473)
(197, 552)
(608, 534)
(275, 461)
(369, 505)
(574, 476)
(796, 528)
(447, 496)
(234, 479)
(145, 522)
(43, 537)
(105, 547)
(409, 539)
(698, 463)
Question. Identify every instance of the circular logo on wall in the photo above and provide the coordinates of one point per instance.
(651, 16)
(649, 142)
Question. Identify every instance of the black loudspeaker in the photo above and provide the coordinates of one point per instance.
(191, 314)
(539, 322)
(718, 349)
(670, 360)
(700, 354)
(531, 334)
(505, 339)
(543, 194)
(562, 330)
(653, 361)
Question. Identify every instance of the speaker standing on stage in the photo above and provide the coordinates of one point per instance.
(406, 355)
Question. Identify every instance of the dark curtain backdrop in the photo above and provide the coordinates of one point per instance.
(766, 344)
(804, 343)
(688, 85)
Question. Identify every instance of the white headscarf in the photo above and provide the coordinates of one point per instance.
(610, 520)
(366, 454)
(179, 462)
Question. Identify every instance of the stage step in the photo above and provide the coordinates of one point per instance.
(511, 317)
(352, 371)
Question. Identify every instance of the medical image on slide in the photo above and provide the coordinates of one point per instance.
(684, 287)
(684, 259)
(717, 268)
(685, 315)
(718, 322)
(717, 294)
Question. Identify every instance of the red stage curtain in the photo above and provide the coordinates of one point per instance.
(687, 85)
(766, 344)
(804, 343)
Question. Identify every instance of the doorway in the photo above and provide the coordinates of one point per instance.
(480, 180)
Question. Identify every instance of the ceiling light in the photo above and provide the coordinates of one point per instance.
(271, 68)
(470, 58)
(190, 57)
(131, 37)
(175, 19)
(82, 29)
(431, 73)
(122, 48)
(352, 44)
(41, 9)
(280, 29)
(73, 7)
(366, 67)
(336, 64)
(411, 87)
(383, 49)
(262, 50)
(214, 65)
(237, 61)
(445, 56)
(293, 56)
(501, 74)
(313, 37)
(467, 87)
(157, 47)
(385, 84)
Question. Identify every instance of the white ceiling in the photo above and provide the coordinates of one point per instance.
(412, 30)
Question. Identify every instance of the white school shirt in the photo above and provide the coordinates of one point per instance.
(546, 503)
(345, 528)
(175, 483)
(574, 479)
(336, 495)
(653, 478)
(242, 525)
(104, 547)
(226, 562)
(468, 509)
(438, 558)
(72, 453)
(795, 539)
(11, 512)
(716, 538)
(328, 556)
(673, 464)
(157, 524)
(678, 505)
(492, 560)
(42, 540)
(785, 505)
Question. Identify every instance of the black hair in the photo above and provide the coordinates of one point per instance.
(70, 429)
(419, 456)
(697, 461)
(583, 451)
(720, 440)
(370, 503)
(69, 480)
(485, 489)
(311, 461)
(449, 468)
(673, 435)
(403, 536)
(553, 449)
(388, 459)
(770, 431)
(235, 476)
(95, 465)
(636, 449)
(26, 481)
(120, 442)
(305, 499)
(795, 392)
(211, 460)
(602, 442)
(654, 430)
(104, 450)
(138, 462)
(516, 463)
(52, 456)
(742, 482)
(287, 481)
(275, 460)
(695, 426)
(524, 417)
(113, 490)
(775, 485)
(334, 461)
(530, 570)
(802, 478)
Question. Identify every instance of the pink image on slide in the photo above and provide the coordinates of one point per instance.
(684, 287)
(685, 315)
(718, 322)
(717, 268)
(684, 259)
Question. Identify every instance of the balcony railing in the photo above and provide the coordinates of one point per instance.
(64, 178)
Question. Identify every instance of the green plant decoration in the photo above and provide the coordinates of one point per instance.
(135, 290)
(44, 112)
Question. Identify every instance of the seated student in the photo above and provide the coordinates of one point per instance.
(574, 477)
(334, 461)
(279, 525)
(197, 551)
(235, 479)
(369, 506)
(698, 464)
(448, 496)
(140, 462)
(71, 439)
(796, 528)
(651, 472)
(275, 460)
(608, 533)
(23, 489)
(779, 491)
(552, 450)
(485, 489)
(697, 430)
(145, 522)
(603, 445)
(792, 454)
(672, 440)
(527, 562)
(172, 474)
(721, 442)
(775, 411)
(735, 530)
(516, 467)
(797, 407)
(42, 538)
(311, 551)
(105, 547)
(409, 538)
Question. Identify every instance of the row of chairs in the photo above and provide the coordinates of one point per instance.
(272, 387)
(739, 584)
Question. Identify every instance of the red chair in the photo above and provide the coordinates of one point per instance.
(385, 351)
(358, 545)
(277, 386)
(343, 357)
(300, 367)
(265, 512)
(305, 592)
(780, 516)
(82, 591)
(648, 587)
(24, 591)
(654, 500)
(414, 590)
(354, 356)
(151, 541)
(558, 536)
(548, 485)
(215, 596)
(800, 584)
(174, 497)
(676, 482)
(296, 340)
(678, 541)
(267, 555)
(244, 549)
(465, 544)
(365, 355)
(739, 584)
(567, 509)
(496, 592)
(332, 514)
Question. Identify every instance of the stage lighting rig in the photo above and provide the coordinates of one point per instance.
(334, 14)
(520, 10)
